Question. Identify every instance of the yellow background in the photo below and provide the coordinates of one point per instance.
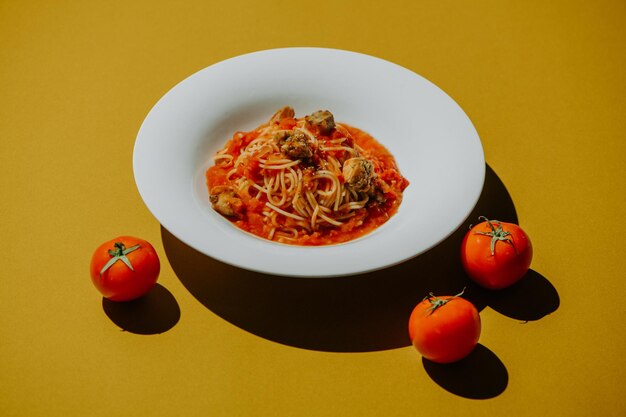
(543, 82)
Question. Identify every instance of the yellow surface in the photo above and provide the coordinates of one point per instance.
(544, 83)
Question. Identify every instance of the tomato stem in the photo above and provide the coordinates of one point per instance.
(497, 234)
(118, 253)
(437, 302)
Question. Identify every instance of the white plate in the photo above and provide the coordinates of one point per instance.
(433, 141)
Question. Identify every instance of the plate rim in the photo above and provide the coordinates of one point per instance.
(313, 274)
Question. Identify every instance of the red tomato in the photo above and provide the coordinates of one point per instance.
(125, 268)
(496, 254)
(444, 329)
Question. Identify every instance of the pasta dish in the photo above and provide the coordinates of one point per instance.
(305, 181)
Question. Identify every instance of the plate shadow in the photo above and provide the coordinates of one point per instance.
(365, 312)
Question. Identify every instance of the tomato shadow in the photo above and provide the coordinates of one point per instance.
(481, 375)
(530, 299)
(366, 312)
(156, 312)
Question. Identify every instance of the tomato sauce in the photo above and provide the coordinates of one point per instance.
(363, 222)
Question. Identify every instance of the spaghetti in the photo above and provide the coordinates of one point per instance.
(305, 181)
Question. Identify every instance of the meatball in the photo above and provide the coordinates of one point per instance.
(376, 192)
(358, 174)
(323, 119)
(294, 145)
(284, 113)
(226, 202)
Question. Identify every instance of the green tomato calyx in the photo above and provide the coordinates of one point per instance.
(118, 253)
(497, 234)
(437, 302)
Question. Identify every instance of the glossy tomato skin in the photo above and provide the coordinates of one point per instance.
(506, 266)
(446, 334)
(119, 282)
